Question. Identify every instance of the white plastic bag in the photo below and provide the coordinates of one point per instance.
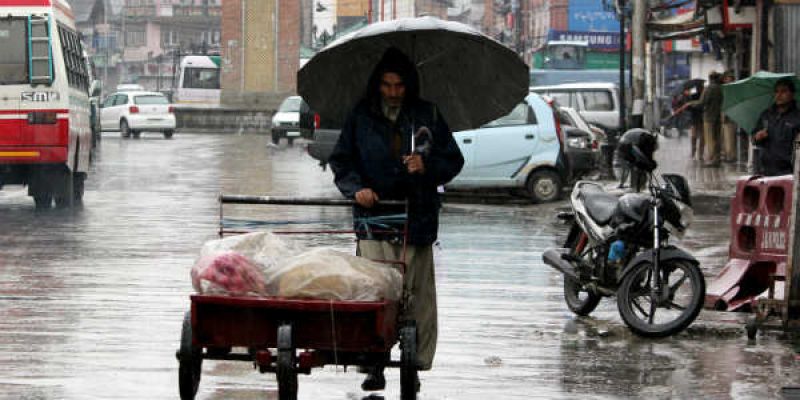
(332, 275)
(265, 248)
(228, 265)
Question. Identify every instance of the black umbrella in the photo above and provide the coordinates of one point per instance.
(472, 78)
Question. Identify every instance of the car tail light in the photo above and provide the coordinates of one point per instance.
(171, 109)
(559, 133)
(316, 121)
(133, 109)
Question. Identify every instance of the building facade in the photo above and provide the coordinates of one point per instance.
(261, 42)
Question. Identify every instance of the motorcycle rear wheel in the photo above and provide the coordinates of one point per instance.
(649, 317)
(580, 300)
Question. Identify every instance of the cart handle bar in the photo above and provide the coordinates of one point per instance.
(296, 201)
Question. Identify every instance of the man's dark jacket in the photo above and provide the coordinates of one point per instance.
(776, 150)
(367, 156)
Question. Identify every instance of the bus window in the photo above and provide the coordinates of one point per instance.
(13, 41)
(201, 78)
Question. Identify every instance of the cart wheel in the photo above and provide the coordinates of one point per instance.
(286, 371)
(190, 362)
(408, 363)
(751, 326)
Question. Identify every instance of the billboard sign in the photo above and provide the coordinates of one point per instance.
(590, 16)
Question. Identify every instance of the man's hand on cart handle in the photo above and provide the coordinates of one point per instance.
(414, 164)
(366, 198)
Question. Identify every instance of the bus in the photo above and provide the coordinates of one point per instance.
(571, 61)
(198, 81)
(45, 132)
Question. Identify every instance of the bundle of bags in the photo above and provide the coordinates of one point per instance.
(264, 264)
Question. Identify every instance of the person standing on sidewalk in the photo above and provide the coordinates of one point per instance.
(776, 131)
(711, 100)
(695, 111)
(373, 161)
(728, 128)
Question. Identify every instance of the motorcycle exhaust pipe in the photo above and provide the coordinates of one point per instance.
(554, 258)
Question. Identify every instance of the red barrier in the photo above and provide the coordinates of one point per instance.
(760, 213)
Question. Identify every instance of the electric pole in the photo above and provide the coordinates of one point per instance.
(638, 57)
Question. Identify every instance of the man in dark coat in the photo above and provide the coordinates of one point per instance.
(374, 161)
(776, 131)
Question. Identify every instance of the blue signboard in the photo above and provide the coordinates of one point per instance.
(589, 16)
(602, 41)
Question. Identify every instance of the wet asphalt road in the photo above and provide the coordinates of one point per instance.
(91, 300)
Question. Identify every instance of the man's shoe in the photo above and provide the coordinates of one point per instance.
(374, 381)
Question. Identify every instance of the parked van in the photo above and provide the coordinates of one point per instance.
(45, 133)
(598, 103)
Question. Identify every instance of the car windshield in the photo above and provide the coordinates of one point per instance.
(291, 104)
(150, 99)
(13, 64)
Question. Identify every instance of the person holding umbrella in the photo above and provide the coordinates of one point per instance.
(776, 131)
(396, 146)
(692, 92)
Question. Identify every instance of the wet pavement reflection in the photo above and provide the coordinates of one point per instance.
(91, 300)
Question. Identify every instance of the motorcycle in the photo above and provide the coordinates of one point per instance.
(619, 246)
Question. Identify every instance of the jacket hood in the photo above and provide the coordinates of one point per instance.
(393, 60)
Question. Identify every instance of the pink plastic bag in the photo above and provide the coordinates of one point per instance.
(228, 273)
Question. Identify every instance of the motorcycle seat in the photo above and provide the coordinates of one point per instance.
(599, 204)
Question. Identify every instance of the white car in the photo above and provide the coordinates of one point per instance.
(130, 113)
(286, 123)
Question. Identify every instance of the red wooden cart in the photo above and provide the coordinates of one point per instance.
(291, 336)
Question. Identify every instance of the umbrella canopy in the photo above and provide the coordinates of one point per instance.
(745, 100)
(472, 78)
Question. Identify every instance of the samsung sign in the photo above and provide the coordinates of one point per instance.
(597, 40)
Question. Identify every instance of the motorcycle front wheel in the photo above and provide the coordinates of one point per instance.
(651, 314)
(580, 300)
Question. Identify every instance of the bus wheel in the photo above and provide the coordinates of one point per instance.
(64, 197)
(78, 187)
(168, 134)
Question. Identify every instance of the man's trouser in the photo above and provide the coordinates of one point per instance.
(698, 144)
(729, 141)
(711, 131)
(420, 281)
